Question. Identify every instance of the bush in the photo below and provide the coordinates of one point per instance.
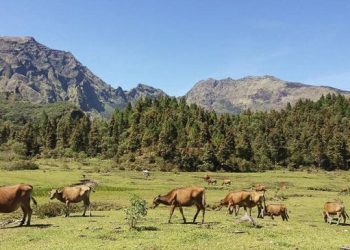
(21, 165)
(54, 209)
(50, 210)
(137, 210)
(151, 159)
(132, 157)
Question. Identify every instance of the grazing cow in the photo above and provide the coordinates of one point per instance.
(211, 182)
(334, 208)
(13, 197)
(206, 177)
(247, 199)
(226, 182)
(277, 210)
(183, 197)
(73, 194)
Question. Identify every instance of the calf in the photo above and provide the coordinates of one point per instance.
(211, 181)
(226, 182)
(276, 210)
(73, 194)
(13, 197)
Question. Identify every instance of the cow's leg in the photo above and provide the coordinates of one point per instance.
(325, 217)
(236, 210)
(203, 214)
(200, 207)
(24, 215)
(344, 217)
(182, 213)
(172, 208)
(329, 219)
(85, 208)
(67, 207)
(30, 211)
(339, 217)
(272, 217)
(196, 214)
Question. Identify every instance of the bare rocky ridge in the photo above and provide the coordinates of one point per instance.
(254, 92)
(43, 75)
(39, 74)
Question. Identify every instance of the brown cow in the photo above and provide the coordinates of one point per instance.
(206, 177)
(247, 199)
(260, 188)
(226, 182)
(73, 194)
(183, 197)
(277, 210)
(13, 197)
(211, 181)
(334, 208)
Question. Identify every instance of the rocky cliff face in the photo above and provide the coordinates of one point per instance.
(43, 75)
(257, 93)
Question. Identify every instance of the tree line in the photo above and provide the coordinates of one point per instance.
(193, 139)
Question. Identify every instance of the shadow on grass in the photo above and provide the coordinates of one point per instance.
(41, 226)
(86, 216)
(147, 228)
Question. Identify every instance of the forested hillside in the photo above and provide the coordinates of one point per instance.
(167, 131)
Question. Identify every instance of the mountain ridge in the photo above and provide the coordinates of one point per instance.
(43, 75)
(259, 93)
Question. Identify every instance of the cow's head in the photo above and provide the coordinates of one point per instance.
(54, 193)
(156, 201)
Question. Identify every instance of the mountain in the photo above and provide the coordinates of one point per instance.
(43, 75)
(254, 92)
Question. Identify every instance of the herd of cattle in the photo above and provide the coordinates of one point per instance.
(20, 195)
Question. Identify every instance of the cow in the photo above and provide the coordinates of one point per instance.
(183, 197)
(260, 188)
(334, 208)
(247, 199)
(226, 182)
(211, 182)
(276, 210)
(13, 197)
(73, 194)
(206, 177)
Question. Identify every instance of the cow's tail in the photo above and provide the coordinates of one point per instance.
(203, 199)
(34, 201)
(287, 215)
(31, 195)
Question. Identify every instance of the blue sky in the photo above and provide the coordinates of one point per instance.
(173, 44)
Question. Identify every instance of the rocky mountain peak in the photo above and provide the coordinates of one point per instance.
(43, 75)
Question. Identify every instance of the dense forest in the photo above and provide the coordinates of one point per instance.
(169, 131)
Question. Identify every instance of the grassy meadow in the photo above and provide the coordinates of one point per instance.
(304, 193)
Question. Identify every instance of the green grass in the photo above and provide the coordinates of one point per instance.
(303, 193)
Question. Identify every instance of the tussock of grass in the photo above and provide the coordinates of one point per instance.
(20, 165)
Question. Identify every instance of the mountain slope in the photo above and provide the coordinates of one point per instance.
(257, 93)
(43, 75)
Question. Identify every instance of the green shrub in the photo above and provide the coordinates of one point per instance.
(21, 165)
(137, 210)
(50, 210)
(54, 209)
(132, 157)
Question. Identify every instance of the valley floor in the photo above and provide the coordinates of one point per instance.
(303, 193)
